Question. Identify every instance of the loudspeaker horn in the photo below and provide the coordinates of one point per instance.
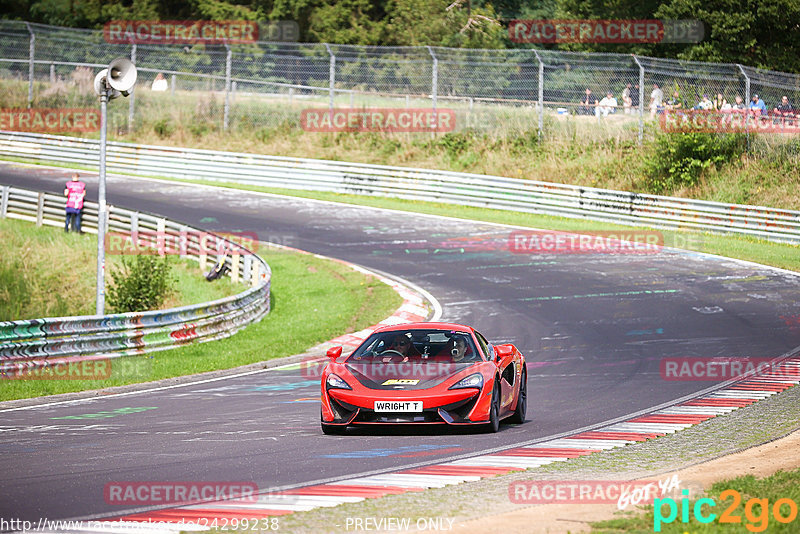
(122, 75)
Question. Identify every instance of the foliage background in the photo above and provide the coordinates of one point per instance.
(764, 34)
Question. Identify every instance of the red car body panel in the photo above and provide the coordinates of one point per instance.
(440, 404)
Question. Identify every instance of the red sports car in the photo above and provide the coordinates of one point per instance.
(425, 373)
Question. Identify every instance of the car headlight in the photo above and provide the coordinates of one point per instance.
(472, 381)
(335, 381)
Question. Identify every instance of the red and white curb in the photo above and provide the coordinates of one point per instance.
(660, 422)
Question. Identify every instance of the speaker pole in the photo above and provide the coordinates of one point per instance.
(100, 303)
(116, 80)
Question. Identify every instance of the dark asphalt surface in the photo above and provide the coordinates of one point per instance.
(593, 327)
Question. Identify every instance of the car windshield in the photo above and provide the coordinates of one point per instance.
(417, 346)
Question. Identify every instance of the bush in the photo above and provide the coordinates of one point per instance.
(679, 159)
(163, 128)
(141, 284)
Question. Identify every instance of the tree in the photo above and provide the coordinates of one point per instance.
(762, 34)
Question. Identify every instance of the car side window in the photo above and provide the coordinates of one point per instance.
(486, 347)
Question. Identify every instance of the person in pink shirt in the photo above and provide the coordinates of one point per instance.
(75, 191)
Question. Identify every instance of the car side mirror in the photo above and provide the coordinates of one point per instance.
(501, 351)
(334, 353)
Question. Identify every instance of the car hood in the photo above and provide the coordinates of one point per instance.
(406, 376)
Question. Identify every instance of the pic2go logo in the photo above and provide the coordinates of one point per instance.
(756, 511)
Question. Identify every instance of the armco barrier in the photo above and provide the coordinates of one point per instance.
(417, 184)
(41, 342)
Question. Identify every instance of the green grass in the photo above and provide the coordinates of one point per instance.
(313, 300)
(747, 516)
(49, 273)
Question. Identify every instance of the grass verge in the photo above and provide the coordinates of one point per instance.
(49, 273)
(747, 502)
(313, 300)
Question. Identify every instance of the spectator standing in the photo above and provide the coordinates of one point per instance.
(757, 106)
(656, 100)
(160, 83)
(588, 103)
(75, 191)
(635, 98)
(627, 101)
(607, 105)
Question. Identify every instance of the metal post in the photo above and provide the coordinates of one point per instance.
(52, 73)
(226, 114)
(172, 85)
(131, 106)
(641, 99)
(247, 270)
(31, 54)
(234, 274)
(331, 75)
(4, 201)
(184, 241)
(39, 209)
(100, 304)
(541, 94)
(434, 84)
(746, 105)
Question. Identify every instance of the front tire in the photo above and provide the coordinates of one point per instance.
(494, 412)
(522, 400)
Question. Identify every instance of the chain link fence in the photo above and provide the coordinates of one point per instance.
(263, 85)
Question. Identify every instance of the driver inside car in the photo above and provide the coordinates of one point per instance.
(403, 346)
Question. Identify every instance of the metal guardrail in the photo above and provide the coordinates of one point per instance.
(35, 343)
(619, 207)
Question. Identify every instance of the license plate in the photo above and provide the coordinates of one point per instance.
(398, 406)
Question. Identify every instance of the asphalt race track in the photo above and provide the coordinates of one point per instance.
(593, 327)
